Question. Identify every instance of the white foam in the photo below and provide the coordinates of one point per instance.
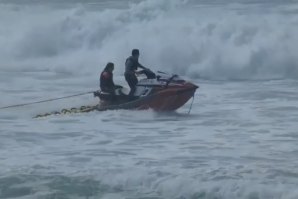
(232, 41)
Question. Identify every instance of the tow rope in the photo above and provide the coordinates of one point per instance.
(48, 100)
(193, 97)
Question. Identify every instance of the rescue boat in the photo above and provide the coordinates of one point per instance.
(159, 92)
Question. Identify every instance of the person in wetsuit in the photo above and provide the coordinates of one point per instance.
(106, 79)
(131, 66)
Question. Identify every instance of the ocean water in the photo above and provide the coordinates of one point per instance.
(240, 139)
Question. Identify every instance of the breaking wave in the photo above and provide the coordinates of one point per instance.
(212, 41)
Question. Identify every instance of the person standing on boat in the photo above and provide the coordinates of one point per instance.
(131, 66)
(106, 79)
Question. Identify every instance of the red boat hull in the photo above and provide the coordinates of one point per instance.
(160, 99)
(171, 99)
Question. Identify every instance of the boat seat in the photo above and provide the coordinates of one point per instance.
(122, 91)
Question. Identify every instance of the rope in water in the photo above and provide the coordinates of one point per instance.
(82, 109)
(42, 101)
(193, 97)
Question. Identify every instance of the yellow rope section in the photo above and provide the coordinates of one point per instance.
(82, 109)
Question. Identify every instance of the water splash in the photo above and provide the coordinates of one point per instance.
(232, 41)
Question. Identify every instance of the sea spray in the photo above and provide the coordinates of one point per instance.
(238, 42)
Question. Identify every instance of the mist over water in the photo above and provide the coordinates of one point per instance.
(240, 140)
(239, 40)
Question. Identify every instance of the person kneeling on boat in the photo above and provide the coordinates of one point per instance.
(106, 80)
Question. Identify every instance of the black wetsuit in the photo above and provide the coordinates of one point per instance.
(131, 65)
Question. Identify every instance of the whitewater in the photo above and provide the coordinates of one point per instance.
(240, 139)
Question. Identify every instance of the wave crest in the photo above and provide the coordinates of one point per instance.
(213, 42)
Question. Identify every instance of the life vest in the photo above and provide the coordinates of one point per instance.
(106, 81)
